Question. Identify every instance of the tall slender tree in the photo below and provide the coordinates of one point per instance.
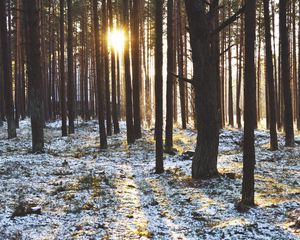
(270, 76)
(170, 78)
(71, 87)
(285, 75)
(99, 82)
(33, 53)
(129, 120)
(159, 86)
(62, 71)
(250, 105)
(7, 73)
(136, 66)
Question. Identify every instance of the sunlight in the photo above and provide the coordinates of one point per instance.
(116, 39)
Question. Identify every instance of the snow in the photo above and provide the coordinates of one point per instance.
(87, 193)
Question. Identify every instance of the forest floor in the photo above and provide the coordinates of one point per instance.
(76, 191)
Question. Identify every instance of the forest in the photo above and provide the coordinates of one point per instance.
(150, 119)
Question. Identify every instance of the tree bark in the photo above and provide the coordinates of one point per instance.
(7, 73)
(205, 158)
(71, 98)
(170, 79)
(250, 108)
(34, 73)
(100, 97)
(270, 76)
(285, 75)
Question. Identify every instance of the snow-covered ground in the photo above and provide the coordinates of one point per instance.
(87, 193)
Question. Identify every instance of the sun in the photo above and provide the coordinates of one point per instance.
(116, 39)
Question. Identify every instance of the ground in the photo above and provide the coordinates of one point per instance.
(76, 191)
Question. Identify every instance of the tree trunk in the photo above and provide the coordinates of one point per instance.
(205, 82)
(129, 120)
(7, 73)
(34, 73)
(62, 72)
(170, 79)
(159, 86)
(100, 97)
(71, 98)
(250, 108)
(136, 66)
(270, 77)
(285, 75)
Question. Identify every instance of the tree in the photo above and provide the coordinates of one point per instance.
(113, 75)
(106, 68)
(71, 98)
(250, 105)
(34, 72)
(158, 86)
(170, 79)
(129, 121)
(62, 71)
(100, 98)
(285, 75)
(205, 84)
(136, 75)
(7, 73)
(270, 77)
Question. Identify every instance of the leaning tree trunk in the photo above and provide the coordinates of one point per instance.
(7, 73)
(205, 82)
(285, 75)
(33, 53)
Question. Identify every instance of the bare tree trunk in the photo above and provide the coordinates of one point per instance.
(270, 76)
(205, 82)
(129, 120)
(285, 75)
(159, 86)
(249, 101)
(62, 72)
(34, 73)
(71, 98)
(100, 97)
(7, 73)
(170, 80)
(136, 66)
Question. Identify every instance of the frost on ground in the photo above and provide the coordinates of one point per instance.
(76, 191)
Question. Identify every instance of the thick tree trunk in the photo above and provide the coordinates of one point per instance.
(7, 73)
(285, 75)
(205, 82)
(34, 74)
(250, 108)
(270, 77)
